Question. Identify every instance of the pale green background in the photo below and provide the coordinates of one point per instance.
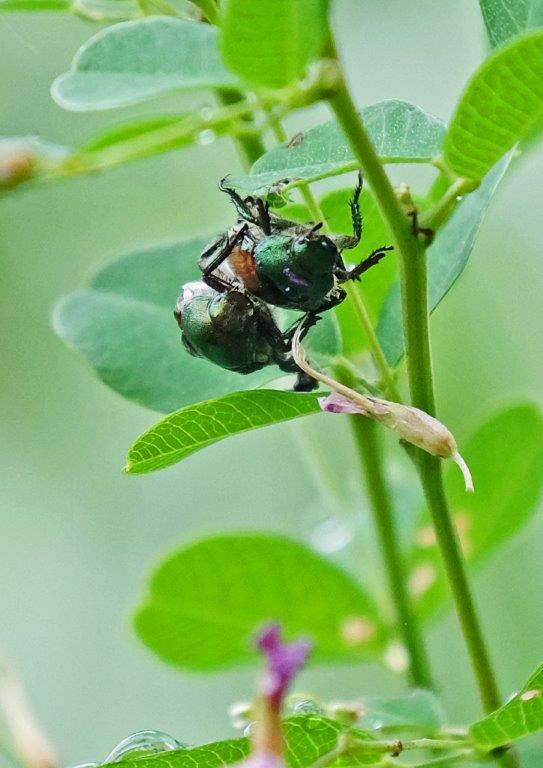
(77, 537)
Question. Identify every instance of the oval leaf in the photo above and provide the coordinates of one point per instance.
(197, 426)
(190, 620)
(504, 19)
(522, 715)
(138, 60)
(447, 258)
(401, 133)
(502, 102)
(505, 457)
(272, 46)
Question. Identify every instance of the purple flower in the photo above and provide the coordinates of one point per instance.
(335, 403)
(284, 661)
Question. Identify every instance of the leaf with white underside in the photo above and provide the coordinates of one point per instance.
(195, 427)
(505, 19)
(502, 102)
(447, 258)
(505, 457)
(271, 45)
(138, 60)
(521, 716)
(401, 133)
(206, 601)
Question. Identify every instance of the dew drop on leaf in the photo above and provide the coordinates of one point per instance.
(143, 742)
(206, 137)
(307, 707)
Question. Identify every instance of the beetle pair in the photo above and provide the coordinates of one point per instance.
(265, 260)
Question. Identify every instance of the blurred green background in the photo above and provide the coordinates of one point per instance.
(77, 537)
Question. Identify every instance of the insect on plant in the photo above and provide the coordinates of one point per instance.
(262, 260)
(250, 299)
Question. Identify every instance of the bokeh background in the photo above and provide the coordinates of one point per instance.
(77, 537)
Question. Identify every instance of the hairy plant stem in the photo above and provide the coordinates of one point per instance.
(411, 257)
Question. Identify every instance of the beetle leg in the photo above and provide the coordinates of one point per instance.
(374, 258)
(351, 241)
(243, 210)
(224, 245)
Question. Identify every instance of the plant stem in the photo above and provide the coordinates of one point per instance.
(412, 263)
(250, 146)
(387, 375)
(435, 217)
(371, 463)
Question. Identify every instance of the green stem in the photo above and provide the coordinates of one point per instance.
(307, 196)
(371, 463)
(250, 146)
(435, 217)
(458, 757)
(412, 263)
(387, 375)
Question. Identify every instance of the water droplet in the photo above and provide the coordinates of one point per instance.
(143, 742)
(206, 113)
(249, 730)
(332, 535)
(306, 707)
(206, 137)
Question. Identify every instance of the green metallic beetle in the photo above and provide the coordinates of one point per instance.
(283, 263)
(236, 331)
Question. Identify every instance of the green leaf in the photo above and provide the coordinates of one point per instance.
(190, 620)
(197, 426)
(418, 710)
(505, 457)
(376, 282)
(35, 5)
(124, 132)
(401, 133)
(447, 258)
(272, 49)
(90, 9)
(500, 105)
(307, 737)
(138, 60)
(123, 325)
(505, 19)
(522, 715)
